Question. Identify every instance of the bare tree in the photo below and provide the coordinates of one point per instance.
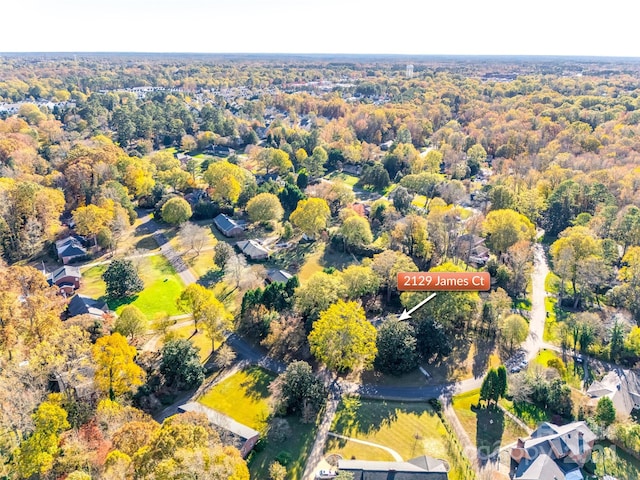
(193, 237)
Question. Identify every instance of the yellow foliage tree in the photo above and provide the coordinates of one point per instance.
(116, 372)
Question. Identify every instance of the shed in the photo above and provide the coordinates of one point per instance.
(227, 226)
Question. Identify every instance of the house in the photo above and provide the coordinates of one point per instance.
(66, 278)
(183, 158)
(219, 150)
(553, 452)
(386, 145)
(233, 433)
(82, 305)
(622, 387)
(227, 226)
(419, 468)
(273, 177)
(253, 249)
(69, 249)
(471, 249)
(352, 169)
(281, 276)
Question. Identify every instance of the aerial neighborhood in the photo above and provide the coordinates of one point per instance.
(234, 268)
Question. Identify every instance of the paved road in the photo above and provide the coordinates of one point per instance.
(538, 312)
(317, 451)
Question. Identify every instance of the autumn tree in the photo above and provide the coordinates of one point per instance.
(216, 320)
(359, 280)
(122, 279)
(264, 208)
(387, 265)
(507, 227)
(176, 211)
(116, 372)
(355, 232)
(227, 181)
(274, 160)
(311, 216)
(193, 237)
(131, 322)
(314, 163)
(90, 220)
(318, 293)
(342, 338)
(36, 454)
(513, 331)
(194, 300)
(628, 293)
(222, 252)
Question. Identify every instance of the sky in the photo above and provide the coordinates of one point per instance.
(411, 27)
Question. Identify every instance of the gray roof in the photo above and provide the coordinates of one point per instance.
(65, 271)
(81, 304)
(414, 469)
(278, 276)
(220, 420)
(69, 247)
(252, 249)
(225, 224)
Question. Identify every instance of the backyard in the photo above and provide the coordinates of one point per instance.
(245, 397)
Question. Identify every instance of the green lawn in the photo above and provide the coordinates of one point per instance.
(529, 413)
(245, 397)
(199, 340)
(552, 283)
(411, 429)
(551, 324)
(350, 180)
(312, 263)
(488, 428)
(162, 286)
(419, 201)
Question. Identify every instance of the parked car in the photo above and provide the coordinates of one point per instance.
(323, 474)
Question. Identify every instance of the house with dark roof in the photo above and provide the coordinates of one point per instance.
(275, 275)
(227, 226)
(83, 305)
(66, 278)
(219, 150)
(553, 452)
(70, 248)
(472, 250)
(232, 432)
(419, 468)
(253, 249)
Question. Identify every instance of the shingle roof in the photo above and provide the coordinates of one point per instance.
(65, 271)
(414, 469)
(224, 223)
(81, 304)
(278, 276)
(252, 249)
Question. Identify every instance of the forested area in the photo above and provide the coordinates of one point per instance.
(457, 167)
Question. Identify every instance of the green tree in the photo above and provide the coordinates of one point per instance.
(359, 280)
(290, 196)
(176, 211)
(396, 344)
(605, 412)
(264, 207)
(122, 279)
(90, 220)
(342, 338)
(131, 322)
(490, 388)
(274, 160)
(300, 389)
(616, 343)
(116, 372)
(401, 199)
(356, 232)
(502, 381)
(311, 216)
(180, 364)
(314, 164)
(216, 320)
(318, 293)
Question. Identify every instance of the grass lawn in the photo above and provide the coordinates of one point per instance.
(488, 428)
(411, 429)
(551, 325)
(312, 263)
(552, 283)
(243, 396)
(346, 178)
(529, 413)
(573, 373)
(162, 286)
(199, 340)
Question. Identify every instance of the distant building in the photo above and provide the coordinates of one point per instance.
(183, 158)
(386, 145)
(69, 249)
(553, 452)
(281, 276)
(420, 468)
(219, 150)
(240, 436)
(472, 250)
(66, 278)
(352, 169)
(227, 226)
(409, 71)
(253, 249)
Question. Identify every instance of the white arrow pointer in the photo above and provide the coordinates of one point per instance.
(407, 315)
